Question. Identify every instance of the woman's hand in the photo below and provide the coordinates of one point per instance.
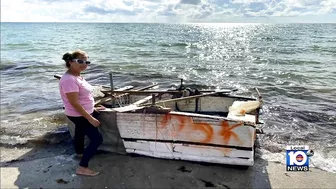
(94, 121)
(100, 107)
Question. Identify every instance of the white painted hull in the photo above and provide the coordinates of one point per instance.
(197, 153)
(186, 136)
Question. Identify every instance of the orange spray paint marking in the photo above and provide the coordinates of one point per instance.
(168, 119)
(171, 119)
(184, 122)
(165, 120)
(227, 132)
(205, 128)
(181, 124)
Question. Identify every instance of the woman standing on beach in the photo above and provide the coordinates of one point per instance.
(76, 94)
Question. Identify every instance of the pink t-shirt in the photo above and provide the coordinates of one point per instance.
(70, 83)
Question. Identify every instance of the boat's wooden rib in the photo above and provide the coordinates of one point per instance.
(137, 92)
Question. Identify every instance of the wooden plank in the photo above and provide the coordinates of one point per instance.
(143, 100)
(143, 92)
(109, 98)
(185, 128)
(146, 87)
(127, 108)
(183, 98)
(214, 103)
(149, 146)
(245, 118)
(208, 159)
(168, 91)
(195, 150)
(186, 105)
(205, 104)
(126, 88)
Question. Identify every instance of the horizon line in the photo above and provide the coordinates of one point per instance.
(171, 22)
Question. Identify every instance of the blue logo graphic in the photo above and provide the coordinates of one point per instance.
(297, 158)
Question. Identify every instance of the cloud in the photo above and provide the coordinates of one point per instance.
(168, 10)
(256, 6)
(191, 2)
(103, 11)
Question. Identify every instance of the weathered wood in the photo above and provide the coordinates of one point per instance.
(127, 108)
(186, 149)
(191, 153)
(136, 92)
(204, 104)
(143, 100)
(140, 89)
(109, 98)
(215, 103)
(183, 98)
(185, 128)
(147, 87)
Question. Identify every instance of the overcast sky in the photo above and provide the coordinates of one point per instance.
(173, 11)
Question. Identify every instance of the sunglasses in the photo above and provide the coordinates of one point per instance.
(81, 61)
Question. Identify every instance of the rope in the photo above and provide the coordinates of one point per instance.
(172, 153)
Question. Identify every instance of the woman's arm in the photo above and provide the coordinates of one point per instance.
(73, 100)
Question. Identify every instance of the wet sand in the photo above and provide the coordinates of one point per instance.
(54, 167)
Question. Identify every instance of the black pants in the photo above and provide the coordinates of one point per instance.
(83, 127)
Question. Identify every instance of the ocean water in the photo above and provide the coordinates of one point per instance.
(292, 65)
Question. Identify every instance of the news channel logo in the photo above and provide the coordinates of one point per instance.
(297, 158)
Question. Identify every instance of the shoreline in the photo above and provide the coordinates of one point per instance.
(54, 167)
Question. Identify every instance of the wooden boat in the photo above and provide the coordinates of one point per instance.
(210, 126)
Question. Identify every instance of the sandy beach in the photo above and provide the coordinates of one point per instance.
(54, 167)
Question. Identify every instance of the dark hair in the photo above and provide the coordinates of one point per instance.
(67, 57)
(72, 55)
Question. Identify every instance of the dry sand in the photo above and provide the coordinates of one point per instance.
(36, 169)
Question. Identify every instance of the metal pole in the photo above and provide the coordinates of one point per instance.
(112, 89)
